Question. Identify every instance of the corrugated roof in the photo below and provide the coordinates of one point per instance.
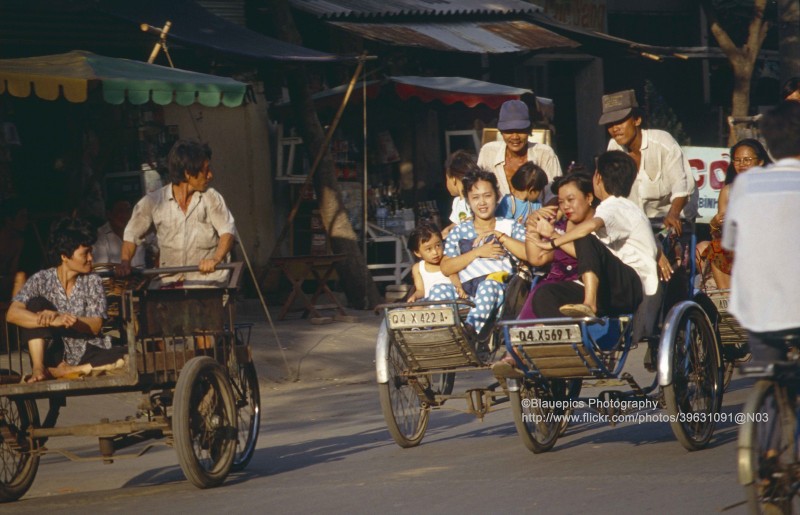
(355, 9)
(474, 37)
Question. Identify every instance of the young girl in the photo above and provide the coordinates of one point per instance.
(425, 241)
(457, 166)
(527, 184)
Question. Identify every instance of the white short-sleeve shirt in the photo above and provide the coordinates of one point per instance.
(629, 236)
(493, 158)
(664, 174)
(761, 229)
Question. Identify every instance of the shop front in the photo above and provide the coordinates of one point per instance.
(80, 129)
(409, 127)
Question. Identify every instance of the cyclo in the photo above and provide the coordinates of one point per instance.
(685, 354)
(184, 353)
(421, 346)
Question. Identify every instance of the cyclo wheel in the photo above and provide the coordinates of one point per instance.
(537, 419)
(694, 394)
(204, 422)
(767, 450)
(443, 383)
(248, 413)
(572, 390)
(17, 467)
(405, 414)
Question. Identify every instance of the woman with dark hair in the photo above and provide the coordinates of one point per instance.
(482, 251)
(61, 309)
(745, 154)
(577, 202)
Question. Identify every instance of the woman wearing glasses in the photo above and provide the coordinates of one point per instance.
(746, 154)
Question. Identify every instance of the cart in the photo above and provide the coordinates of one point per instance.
(420, 347)
(188, 358)
(685, 354)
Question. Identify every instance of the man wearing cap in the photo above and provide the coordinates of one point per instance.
(503, 158)
(665, 186)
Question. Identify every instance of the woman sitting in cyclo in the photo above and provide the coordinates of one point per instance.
(61, 309)
(577, 202)
(615, 251)
(480, 251)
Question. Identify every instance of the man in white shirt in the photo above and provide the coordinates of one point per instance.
(503, 158)
(760, 227)
(665, 186)
(109, 235)
(193, 225)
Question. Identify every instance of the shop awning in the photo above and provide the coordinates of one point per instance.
(479, 37)
(73, 74)
(450, 90)
(192, 24)
(447, 90)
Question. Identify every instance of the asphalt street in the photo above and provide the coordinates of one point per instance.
(323, 447)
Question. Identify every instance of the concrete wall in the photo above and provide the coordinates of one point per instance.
(241, 164)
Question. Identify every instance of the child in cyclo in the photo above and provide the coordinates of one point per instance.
(482, 251)
(527, 185)
(457, 166)
(425, 241)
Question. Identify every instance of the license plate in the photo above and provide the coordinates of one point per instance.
(546, 334)
(721, 303)
(419, 318)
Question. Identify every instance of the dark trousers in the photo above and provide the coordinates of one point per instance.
(619, 290)
(54, 345)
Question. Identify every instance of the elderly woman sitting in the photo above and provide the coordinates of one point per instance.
(61, 309)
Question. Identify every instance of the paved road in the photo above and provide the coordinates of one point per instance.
(324, 447)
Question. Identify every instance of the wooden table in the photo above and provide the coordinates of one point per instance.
(299, 269)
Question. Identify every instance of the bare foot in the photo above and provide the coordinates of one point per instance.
(38, 374)
(64, 370)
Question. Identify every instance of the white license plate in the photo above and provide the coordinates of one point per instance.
(546, 334)
(419, 318)
(721, 303)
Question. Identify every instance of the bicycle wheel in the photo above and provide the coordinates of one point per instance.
(694, 394)
(537, 419)
(572, 390)
(405, 413)
(248, 413)
(18, 465)
(443, 383)
(768, 465)
(204, 422)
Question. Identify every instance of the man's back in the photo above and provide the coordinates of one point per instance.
(761, 228)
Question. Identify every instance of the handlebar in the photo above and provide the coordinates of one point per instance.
(235, 267)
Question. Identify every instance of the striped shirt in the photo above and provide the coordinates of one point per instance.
(462, 239)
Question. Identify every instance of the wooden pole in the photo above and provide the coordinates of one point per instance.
(320, 154)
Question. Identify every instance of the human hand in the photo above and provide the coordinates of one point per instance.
(208, 265)
(546, 213)
(64, 320)
(664, 268)
(674, 222)
(45, 317)
(461, 293)
(491, 250)
(123, 269)
(545, 228)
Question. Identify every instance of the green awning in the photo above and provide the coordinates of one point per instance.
(70, 75)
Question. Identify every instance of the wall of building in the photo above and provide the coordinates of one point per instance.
(241, 160)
